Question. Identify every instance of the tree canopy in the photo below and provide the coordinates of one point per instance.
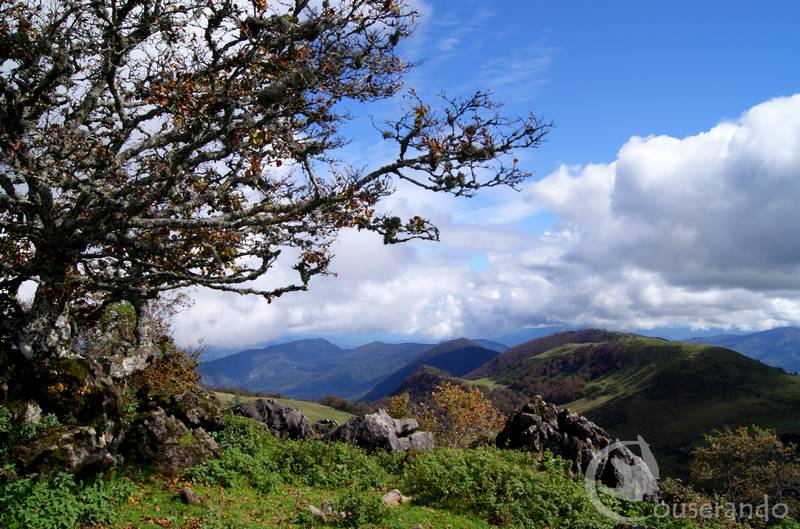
(149, 145)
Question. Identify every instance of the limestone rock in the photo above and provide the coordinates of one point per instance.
(77, 450)
(325, 513)
(379, 431)
(417, 441)
(404, 427)
(196, 408)
(163, 440)
(394, 498)
(78, 388)
(540, 426)
(127, 361)
(324, 428)
(30, 413)
(190, 497)
(282, 420)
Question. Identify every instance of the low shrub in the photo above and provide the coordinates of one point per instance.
(504, 487)
(360, 508)
(507, 488)
(512, 489)
(317, 464)
(172, 372)
(251, 455)
(242, 392)
(458, 416)
(58, 502)
(348, 406)
(354, 508)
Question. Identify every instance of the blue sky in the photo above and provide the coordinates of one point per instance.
(604, 71)
(700, 84)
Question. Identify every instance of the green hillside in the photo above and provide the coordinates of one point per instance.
(671, 393)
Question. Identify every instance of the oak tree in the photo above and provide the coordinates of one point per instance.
(150, 145)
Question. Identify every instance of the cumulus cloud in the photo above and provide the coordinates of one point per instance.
(698, 231)
(718, 209)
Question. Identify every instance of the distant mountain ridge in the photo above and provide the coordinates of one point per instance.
(779, 347)
(313, 368)
(310, 369)
(456, 358)
(515, 356)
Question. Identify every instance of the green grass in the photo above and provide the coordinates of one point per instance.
(487, 383)
(312, 410)
(246, 508)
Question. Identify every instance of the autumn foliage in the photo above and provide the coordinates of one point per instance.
(457, 416)
(745, 464)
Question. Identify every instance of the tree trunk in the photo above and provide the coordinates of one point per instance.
(45, 331)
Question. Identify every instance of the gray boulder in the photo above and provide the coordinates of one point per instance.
(539, 426)
(417, 441)
(190, 497)
(282, 420)
(379, 431)
(404, 427)
(164, 441)
(29, 413)
(394, 498)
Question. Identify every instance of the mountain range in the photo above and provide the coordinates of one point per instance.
(669, 392)
(778, 347)
(456, 357)
(310, 369)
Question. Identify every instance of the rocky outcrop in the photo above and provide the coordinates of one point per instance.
(325, 428)
(417, 441)
(77, 450)
(282, 420)
(539, 426)
(28, 413)
(76, 391)
(378, 431)
(83, 394)
(164, 441)
(196, 408)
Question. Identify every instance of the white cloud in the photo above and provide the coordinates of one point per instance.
(715, 209)
(698, 231)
